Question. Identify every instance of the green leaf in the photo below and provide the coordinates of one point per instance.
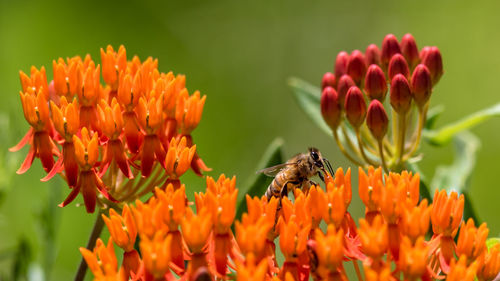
(432, 115)
(457, 175)
(446, 133)
(308, 98)
(258, 183)
(492, 242)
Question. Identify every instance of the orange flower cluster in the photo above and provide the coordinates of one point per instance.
(390, 241)
(103, 136)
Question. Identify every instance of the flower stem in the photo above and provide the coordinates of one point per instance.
(422, 113)
(361, 149)
(358, 272)
(96, 232)
(382, 158)
(342, 149)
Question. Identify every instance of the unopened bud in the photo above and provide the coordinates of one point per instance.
(372, 54)
(434, 63)
(356, 66)
(328, 80)
(355, 107)
(400, 94)
(341, 64)
(390, 47)
(421, 85)
(409, 49)
(376, 119)
(344, 84)
(425, 50)
(330, 107)
(398, 65)
(375, 83)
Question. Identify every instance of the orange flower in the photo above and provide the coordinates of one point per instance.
(260, 208)
(382, 274)
(102, 261)
(370, 190)
(459, 271)
(196, 229)
(156, 253)
(447, 212)
(490, 269)
(188, 112)
(472, 240)
(297, 209)
(342, 180)
(122, 228)
(252, 238)
(329, 250)
(413, 259)
(178, 157)
(147, 218)
(112, 64)
(87, 155)
(36, 82)
(251, 270)
(374, 237)
(415, 221)
(293, 238)
(111, 124)
(316, 203)
(336, 205)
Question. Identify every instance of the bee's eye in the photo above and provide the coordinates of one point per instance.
(315, 155)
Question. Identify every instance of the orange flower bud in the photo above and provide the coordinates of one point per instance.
(400, 94)
(415, 220)
(398, 65)
(375, 83)
(355, 107)
(432, 59)
(344, 84)
(179, 157)
(377, 120)
(390, 47)
(251, 270)
(293, 239)
(372, 54)
(86, 149)
(329, 250)
(196, 229)
(328, 80)
(356, 66)
(341, 64)
(330, 107)
(421, 85)
(410, 50)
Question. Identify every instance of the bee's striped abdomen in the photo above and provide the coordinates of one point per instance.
(275, 187)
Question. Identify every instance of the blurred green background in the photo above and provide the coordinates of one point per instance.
(238, 53)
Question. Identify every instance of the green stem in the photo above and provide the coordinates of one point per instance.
(422, 113)
(362, 150)
(342, 149)
(96, 232)
(382, 158)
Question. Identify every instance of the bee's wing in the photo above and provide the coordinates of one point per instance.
(274, 170)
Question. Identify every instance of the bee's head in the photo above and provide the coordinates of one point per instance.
(316, 157)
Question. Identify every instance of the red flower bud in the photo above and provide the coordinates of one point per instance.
(372, 54)
(425, 50)
(356, 66)
(375, 83)
(328, 80)
(421, 85)
(434, 63)
(376, 119)
(398, 65)
(341, 64)
(410, 50)
(345, 82)
(400, 94)
(330, 107)
(390, 47)
(355, 107)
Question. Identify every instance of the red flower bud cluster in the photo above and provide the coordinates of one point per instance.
(362, 80)
(390, 241)
(99, 137)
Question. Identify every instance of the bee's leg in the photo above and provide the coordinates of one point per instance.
(320, 175)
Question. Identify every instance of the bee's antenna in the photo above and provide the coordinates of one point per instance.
(329, 166)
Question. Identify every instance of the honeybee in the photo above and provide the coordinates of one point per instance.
(296, 173)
